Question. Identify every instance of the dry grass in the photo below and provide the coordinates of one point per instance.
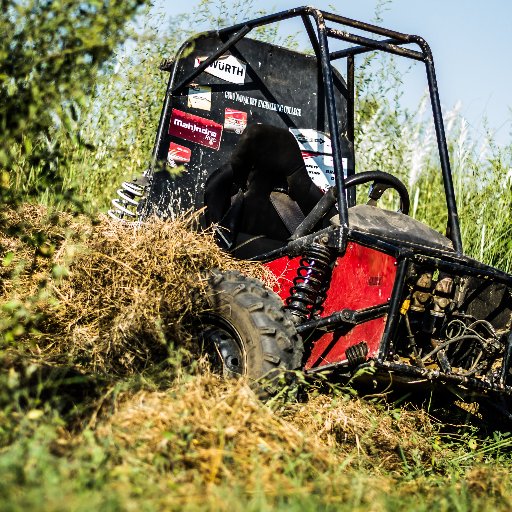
(118, 296)
(212, 430)
(205, 431)
(365, 432)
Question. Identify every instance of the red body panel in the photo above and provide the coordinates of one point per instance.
(361, 278)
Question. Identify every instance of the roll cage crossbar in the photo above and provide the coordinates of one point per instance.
(319, 38)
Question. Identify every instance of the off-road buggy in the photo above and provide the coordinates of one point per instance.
(261, 139)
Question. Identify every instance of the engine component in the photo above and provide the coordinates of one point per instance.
(356, 354)
(441, 332)
(442, 296)
(440, 301)
(472, 348)
(422, 293)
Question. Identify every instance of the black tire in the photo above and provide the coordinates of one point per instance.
(246, 332)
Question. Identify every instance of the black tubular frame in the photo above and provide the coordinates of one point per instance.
(319, 38)
(407, 255)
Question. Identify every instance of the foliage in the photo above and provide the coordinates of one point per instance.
(102, 122)
(51, 53)
(223, 13)
(394, 139)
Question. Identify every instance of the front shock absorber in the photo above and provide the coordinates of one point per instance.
(127, 207)
(311, 283)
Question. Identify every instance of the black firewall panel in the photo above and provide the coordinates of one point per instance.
(254, 82)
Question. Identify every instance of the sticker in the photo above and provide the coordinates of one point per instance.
(256, 102)
(178, 154)
(321, 169)
(195, 129)
(200, 96)
(235, 120)
(227, 68)
(312, 140)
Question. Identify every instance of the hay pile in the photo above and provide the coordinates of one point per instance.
(366, 431)
(105, 297)
(215, 428)
(218, 431)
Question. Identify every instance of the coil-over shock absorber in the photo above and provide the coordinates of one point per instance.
(127, 206)
(311, 283)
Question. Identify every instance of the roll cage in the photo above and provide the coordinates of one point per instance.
(315, 23)
(374, 288)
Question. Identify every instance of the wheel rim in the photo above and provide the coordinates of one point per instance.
(223, 345)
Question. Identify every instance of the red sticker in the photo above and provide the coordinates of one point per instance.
(195, 129)
(235, 120)
(179, 153)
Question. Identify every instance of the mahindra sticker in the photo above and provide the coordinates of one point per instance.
(178, 154)
(312, 140)
(227, 68)
(195, 129)
(200, 96)
(235, 120)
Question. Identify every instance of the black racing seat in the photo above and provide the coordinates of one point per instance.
(263, 192)
(394, 227)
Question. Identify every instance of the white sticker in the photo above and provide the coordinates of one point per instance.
(321, 169)
(226, 68)
(312, 140)
(200, 96)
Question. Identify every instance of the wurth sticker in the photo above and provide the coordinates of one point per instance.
(227, 68)
(178, 154)
(200, 96)
(312, 140)
(235, 120)
(195, 129)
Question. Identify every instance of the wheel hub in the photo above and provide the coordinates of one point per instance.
(223, 347)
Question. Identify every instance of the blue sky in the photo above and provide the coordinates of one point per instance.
(470, 40)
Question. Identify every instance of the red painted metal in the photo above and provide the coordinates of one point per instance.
(285, 269)
(361, 278)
